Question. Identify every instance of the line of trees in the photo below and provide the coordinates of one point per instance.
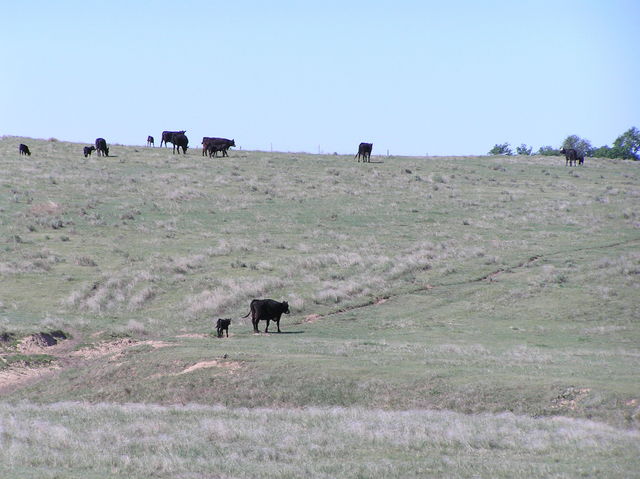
(626, 146)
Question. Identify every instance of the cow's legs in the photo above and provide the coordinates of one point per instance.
(266, 330)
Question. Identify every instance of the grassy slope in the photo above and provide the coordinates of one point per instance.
(155, 246)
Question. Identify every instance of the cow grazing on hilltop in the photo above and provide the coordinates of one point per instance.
(364, 150)
(267, 310)
(150, 141)
(570, 155)
(167, 136)
(212, 145)
(24, 149)
(222, 325)
(180, 140)
(87, 150)
(101, 147)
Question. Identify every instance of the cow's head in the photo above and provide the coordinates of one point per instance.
(233, 142)
(285, 307)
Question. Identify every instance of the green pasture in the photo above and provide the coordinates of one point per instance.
(496, 297)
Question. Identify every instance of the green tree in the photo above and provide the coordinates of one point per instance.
(548, 151)
(503, 149)
(581, 145)
(524, 150)
(628, 144)
(603, 152)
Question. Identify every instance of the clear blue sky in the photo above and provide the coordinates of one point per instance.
(413, 77)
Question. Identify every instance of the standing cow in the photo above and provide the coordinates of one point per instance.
(212, 145)
(364, 150)
(24, 149)
(266, 310)
(570, 155)
(101, 147)
(180, 140)
(150, 141)
(167, 136)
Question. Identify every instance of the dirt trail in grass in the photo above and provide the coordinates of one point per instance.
(64, 353)
(58, 354)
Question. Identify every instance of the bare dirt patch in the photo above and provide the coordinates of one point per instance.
(227, 365)
(18, 375)
(39, 342)
(56, 345)
(109, 348)
(48, 208)
(157, 344)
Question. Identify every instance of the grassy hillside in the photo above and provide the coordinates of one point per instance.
(485, 285)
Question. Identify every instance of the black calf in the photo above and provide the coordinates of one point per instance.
(223, 325)
(88, 150)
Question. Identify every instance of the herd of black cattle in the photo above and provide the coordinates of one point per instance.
(212, 146)
(260, 309)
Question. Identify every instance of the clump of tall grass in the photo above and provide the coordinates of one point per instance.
(85, 261)
(122, 291)
(628, 264)
(41, 261)
(199, 442)
(337, 291)
(184, 265)
(225, 294)
(225, 248)
(135, 327)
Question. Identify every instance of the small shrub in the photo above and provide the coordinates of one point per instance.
(85, 261)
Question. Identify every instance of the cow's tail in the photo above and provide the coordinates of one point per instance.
(247, 315)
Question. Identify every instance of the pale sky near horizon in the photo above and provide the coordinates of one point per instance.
(413, 77)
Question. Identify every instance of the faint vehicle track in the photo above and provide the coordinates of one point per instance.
(489, 277)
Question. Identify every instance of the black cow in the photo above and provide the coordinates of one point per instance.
(167, 136)
(223, 325)
(213, 148)
(580, 158)
(88, 150)
(101, 147)
(267, 310)
(571, 156)
(150, 141)
(24, 149)
(212, 145)
(364, 150)
(180, 140)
